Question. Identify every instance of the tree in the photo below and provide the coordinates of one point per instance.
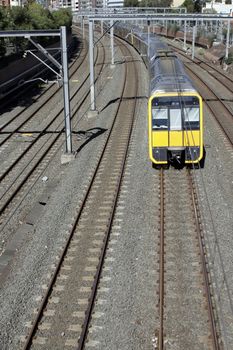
(63, 17)
(131, 3)
(193, 5)
(31, 16)
(189, 4)
(4, 24)
(155, 3)
(40, 18)
(20, 18)
(198, 6)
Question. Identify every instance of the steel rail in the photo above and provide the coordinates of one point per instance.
(85, 326)
(199, 62)
(5, 205)
(33, 329)
(207, 282)
(40, 107)
(42, 132)
(161, 265)
(227, 109)
(38, 73)
(63, 254)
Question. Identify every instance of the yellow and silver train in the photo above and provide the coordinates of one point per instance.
(175, 111)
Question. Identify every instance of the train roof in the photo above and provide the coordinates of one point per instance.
(168, 75)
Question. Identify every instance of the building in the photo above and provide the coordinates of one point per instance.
(219, 7)
(115, 3)
(5, 3)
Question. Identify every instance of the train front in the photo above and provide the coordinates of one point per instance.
(175, 128)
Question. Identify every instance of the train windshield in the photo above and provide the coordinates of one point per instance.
(160, 118)
(175, 113)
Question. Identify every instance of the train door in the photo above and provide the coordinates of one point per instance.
(176, 137)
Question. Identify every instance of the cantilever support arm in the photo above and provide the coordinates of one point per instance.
(33, 54)
(46, 53)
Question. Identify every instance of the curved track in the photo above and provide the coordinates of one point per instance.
(222, 112)
(105, 182)
(34, 155)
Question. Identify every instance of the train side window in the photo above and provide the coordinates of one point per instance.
(191, 118)
(159, 118)
(175, 119)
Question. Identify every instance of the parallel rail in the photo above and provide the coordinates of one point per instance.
(225, 119)
(164, 269)
(119, 151)
(42, 149)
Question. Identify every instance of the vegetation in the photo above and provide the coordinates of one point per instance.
(173, 27)
(131, 3)
(229, 60)
(193, 6)
(148, 3)
(31, 17)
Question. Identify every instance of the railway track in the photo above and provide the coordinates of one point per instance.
(219, 74)
(17, 87)
(21, 120)
(218, 106)
(70, 295)
(187, 318)
(30, 160)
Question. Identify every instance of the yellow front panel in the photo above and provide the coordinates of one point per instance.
(176, 138)
(192, 138)
(160, 139)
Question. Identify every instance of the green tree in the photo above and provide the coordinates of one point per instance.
(193, 5)
(32, 16)
(189, 5)
(20, 18)
(40, 18)
(5, 19)
(131, 3)
(63, 17)
(4, 24)
(155, 3)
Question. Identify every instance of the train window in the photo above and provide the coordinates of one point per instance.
(191, 118)
(159, 118)
(175, 119)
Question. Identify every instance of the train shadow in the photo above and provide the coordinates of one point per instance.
(88, 136)
(196, 166)
(123, 99)
(26, 92)
(180, 166)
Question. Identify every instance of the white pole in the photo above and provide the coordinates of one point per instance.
(66, 92)
(148, 39)
(228, 37)
(193, 43)
(112, 41)
(102, 27)
(91, 59)
(185, 33)
(83, 28)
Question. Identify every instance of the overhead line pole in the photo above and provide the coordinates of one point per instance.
(66, 91)
(62, 75)
(91, 60)
(112, 40)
